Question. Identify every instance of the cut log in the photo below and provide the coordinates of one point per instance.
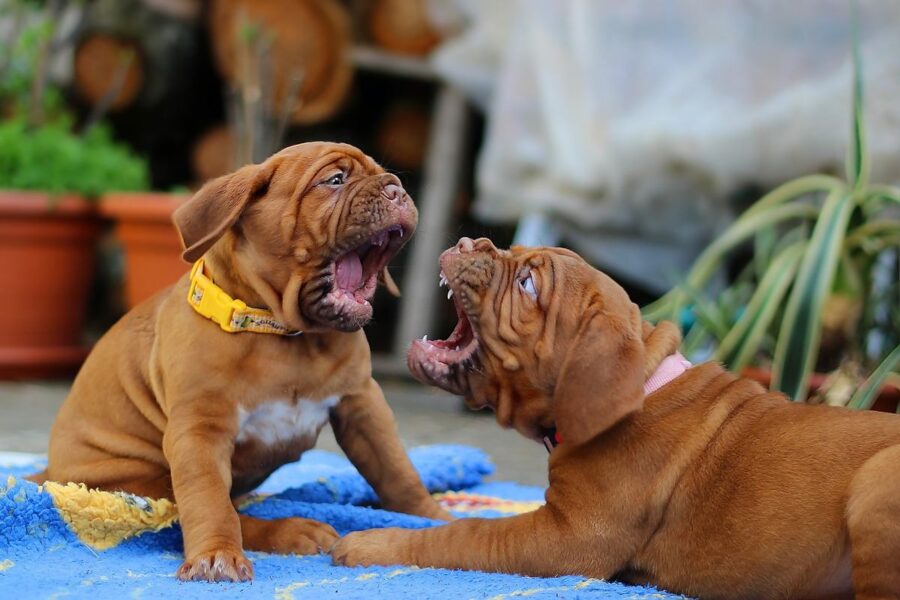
(181, 94)
(163, 51)
(213, 154)
(402, 26)
(104, 62)
(309, 40)
(402, 137)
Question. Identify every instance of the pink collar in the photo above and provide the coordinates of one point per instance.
(671, 367)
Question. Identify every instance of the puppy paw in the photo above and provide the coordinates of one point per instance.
(367, 548)
(287, 536)
(216, 565)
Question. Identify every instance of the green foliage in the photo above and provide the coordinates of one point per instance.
(52, 158)
(40, 148)
(831, 232)
(867, 392)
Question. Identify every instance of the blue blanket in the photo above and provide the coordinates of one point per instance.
(66, 541)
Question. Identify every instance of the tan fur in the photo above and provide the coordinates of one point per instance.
(155, 408)
(711, 486)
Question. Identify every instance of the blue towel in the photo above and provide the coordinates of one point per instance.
(50, 538)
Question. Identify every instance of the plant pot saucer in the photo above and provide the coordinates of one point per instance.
(47, 250)
(26, 362)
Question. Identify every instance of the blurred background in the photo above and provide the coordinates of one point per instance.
(641, 134)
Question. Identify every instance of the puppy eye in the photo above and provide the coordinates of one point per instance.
(336, 179)
(527, 285)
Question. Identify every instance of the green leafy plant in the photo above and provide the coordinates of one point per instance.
(53, 158)
(817, 241)
(40, 147)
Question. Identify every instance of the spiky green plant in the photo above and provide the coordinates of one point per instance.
(816, 240)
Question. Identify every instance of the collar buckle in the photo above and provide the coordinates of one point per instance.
(211, 301)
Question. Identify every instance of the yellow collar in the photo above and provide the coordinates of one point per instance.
(233, 316)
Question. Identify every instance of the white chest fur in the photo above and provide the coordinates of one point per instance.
(281, 421)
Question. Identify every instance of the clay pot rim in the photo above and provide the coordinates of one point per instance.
(141, 206)
(37, 203)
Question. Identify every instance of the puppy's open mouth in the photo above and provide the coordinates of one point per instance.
(443, 362)
(356, 271)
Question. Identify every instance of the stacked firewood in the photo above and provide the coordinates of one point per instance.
(234, 76)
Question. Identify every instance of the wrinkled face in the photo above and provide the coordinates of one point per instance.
(519, 314)
(311, 228)
(353, 218)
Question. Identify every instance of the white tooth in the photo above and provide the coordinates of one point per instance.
(449, 294)
(424, 338)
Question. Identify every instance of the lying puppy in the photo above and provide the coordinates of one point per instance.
(198, 396)
(693, 480)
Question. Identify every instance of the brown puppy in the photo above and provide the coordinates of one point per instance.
(169, 405)
(709, 486)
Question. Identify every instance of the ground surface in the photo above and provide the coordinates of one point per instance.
(424, 416)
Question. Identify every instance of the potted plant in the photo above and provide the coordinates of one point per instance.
(820, 293)
(150, 244)
(49, 175)
(144, 227)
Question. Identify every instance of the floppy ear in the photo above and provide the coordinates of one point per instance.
(601, 380)
(389, 283)
(203, 219)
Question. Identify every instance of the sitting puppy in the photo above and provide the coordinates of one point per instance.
(202, 391)
(690, 479)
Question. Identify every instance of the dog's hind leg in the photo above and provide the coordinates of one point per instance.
(130, 475)
(294, 535)
(873, 520)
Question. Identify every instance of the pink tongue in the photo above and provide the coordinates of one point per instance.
(349, 272)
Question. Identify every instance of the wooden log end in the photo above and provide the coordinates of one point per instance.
(212, 154)
(402, 27)
(308, 39)
(100, 60)
(402, 137)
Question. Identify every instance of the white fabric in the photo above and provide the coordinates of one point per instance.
(636, 122)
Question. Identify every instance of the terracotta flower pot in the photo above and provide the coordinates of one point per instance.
(887, 401)
(149, 240)
(47, 254)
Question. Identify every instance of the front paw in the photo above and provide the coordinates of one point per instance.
(293, 535)
(367, 548)
(216, 565)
